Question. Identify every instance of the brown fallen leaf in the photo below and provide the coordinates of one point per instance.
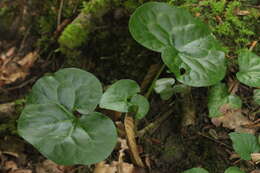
(21, 171)
(115, 167)
(11, 69)
(130, 133)
(242, 12)
(256, 171)
(49, 166)
(10, 165)
(255, 157)
(233, 119)
(101, 167)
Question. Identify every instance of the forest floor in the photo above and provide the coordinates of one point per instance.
(29, 49)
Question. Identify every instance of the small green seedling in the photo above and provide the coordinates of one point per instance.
(166, 88)
(122, 96)
(196, 170)
(232, 169)
(187, 45)
(249, 68)
(59, 119)
(245, 144)
(257, 96)
(218, 96)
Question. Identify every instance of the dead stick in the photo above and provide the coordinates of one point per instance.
(154, 125)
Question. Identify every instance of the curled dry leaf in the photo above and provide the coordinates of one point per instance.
(114, 167)
(256, 171)
(10, 165)
(21, 171)
(49, 166)
(233, 119)
(11, 69)
(129, 128)
(255, 157)
(101, 167)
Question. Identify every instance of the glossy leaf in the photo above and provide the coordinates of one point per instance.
(187, 45)
(164, 87)
(196, 170)
(249, 68)
(234, 169)
(142, 105)
(122, 97)
(118, 95)
(257, 96)
(244, 144)
(65, 139)
(218, 97)
(73, 88)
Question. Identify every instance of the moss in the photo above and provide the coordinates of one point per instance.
(74, 36)
(235, 31)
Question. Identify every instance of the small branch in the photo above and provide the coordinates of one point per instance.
(214, 140)
(253, 45)
(154, 125)
(59, 14)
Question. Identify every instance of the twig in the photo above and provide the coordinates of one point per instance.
(212, 139)
(253, 45)
(154, 125)
(59, 14)
(22, 84)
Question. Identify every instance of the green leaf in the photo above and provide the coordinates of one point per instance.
(142, 105)
(164, 87)
(257, 96)
(218, 97)
(67, 87)
(244, 144)
(196, 170)
(65, 139)
(234, 169)
(249, 68)
(187, 45)
(122, 97)
(118, 95)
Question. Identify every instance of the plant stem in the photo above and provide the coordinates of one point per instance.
(147, 95)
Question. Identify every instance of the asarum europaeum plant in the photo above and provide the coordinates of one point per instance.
(187, 45)
(49, 123)
(232, 169)
(60, 119)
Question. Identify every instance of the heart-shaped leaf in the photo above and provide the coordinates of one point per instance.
(164, 87)
(142, 105)
(73, 88)
(187, 45)
(65, 139)
(257, 96)
(196, 170)
(218, 97)
(244, 144)
(234, 169)
(249, 68)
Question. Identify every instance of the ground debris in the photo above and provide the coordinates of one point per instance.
(233, 119)
(13, 68)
